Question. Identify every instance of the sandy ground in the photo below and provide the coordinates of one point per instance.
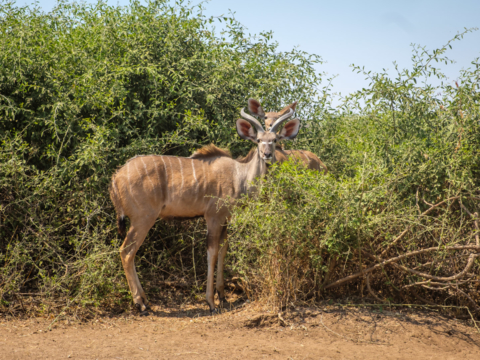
(245, 333)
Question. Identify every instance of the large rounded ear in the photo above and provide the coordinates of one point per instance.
(290, 130)
(255, 108)
(245, 130)
(286, 108)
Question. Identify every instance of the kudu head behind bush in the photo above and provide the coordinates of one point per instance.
(266, 140)
(269, 117)
(307, 158)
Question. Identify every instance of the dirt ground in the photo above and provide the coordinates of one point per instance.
(327, 332)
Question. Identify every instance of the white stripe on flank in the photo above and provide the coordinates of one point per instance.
(205, 179)
(115, 189)
(158, 174)
(306, 157)
(138, 171)
(181, 171)
(165, 166)
(130, 184)
(170, 162)
(236, 180)
(166, 176)
(151, 182)
(139, 174)
(194, 175)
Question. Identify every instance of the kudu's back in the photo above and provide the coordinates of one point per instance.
(169, 187)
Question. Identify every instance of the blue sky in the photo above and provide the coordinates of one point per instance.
(370, 33)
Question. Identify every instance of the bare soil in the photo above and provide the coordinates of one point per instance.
(327, 332)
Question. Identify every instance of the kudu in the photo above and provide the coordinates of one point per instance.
(205, 184)
(308, 158)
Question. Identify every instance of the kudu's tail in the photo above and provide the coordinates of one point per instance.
(115, 197)
(121, 225)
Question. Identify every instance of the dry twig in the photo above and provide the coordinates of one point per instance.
(370, 289)
(397, 258)
(426, 212)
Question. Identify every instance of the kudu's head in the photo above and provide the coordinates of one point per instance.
(269, 117)
(266, 140)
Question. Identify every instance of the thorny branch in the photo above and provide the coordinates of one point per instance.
(438, 283)
(399, 237)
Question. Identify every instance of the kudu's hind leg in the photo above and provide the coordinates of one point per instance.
(220, 265)
(135, 237)
(214, 231)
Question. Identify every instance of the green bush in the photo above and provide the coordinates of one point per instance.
(85, 87)
(394, 150)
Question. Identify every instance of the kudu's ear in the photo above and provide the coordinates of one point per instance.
(246, 131)
(255, 108)
(290, 130)
(286, 108)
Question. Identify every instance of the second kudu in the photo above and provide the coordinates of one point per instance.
(309, 159)
(151, 187)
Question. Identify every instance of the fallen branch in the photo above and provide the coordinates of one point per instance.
(467, 268)
(435, 288)
(428, 282)
(395, 259)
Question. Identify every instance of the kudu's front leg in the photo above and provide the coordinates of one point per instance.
(214, 232)
(220, 266)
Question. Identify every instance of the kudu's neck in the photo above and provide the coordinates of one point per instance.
(255, 168)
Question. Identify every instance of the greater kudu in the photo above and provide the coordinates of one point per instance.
(308, 158)
(151, 187)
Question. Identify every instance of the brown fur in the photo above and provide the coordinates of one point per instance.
(210, 151)
(248, 157)
(307, 158)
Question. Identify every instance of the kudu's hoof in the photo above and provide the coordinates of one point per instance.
(143, 312)
(214, 312)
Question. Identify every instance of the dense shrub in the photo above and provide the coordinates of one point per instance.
(394, 151)
(85, 87)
